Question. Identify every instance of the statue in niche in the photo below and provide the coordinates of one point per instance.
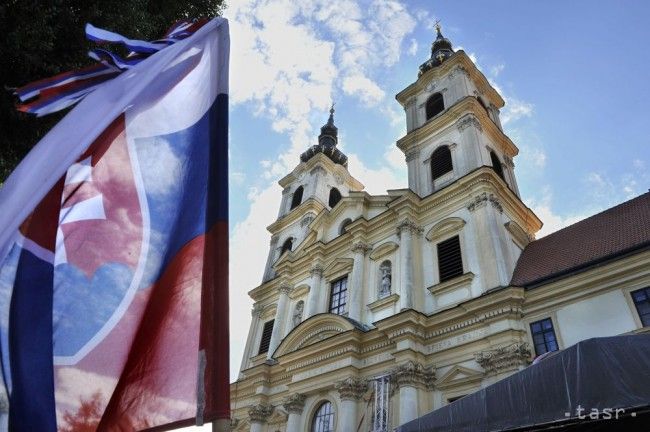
(297, 313)
(385, 282)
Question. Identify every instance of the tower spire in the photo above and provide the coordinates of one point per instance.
(327, 141)
(441, 50)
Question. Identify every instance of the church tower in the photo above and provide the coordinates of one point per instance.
(453, 125)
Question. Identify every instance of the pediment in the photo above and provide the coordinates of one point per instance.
(448, 226)
(313, 330)
(458, 375)
(383, 250)
(338, 266)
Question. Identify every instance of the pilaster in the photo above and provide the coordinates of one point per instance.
(314, 299)
(360, 249)
(294, 405)
(280, 319)
(350, 391)
(258, 416)
(405, 231)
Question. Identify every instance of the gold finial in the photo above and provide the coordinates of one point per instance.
(438, 27)
(440, 57)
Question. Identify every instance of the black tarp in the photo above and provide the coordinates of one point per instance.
(603, 374)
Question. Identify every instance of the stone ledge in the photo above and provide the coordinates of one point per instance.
(457, 282)
(382, 303)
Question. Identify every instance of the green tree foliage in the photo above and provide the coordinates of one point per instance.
(42, 38)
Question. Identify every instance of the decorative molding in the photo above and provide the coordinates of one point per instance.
(257, 310)
(508, 161)
(467, 121)
(285, 289)
(260, 413)
(445, 227)
(316, 270)
(409, 103)
(412, 154)
(383, 250)
(458, 70)
(410, 226)
(306, 221)
(299, 291)
(504, 358)
(413, 374)
(459, 375)
(295, 403)
(518, 233)
(361, 247)
(351, 388)
(430, 87)
(482, 200)
(338, 267)
(384, 302)
(452, 284)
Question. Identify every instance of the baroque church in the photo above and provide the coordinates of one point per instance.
(377, 309)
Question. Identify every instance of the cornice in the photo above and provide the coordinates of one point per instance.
(458, 60)
(465, 111)
(325, 162)
(311, 205)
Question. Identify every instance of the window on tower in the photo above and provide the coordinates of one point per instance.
(297, 198)
(266, 337)
(286, 246)
(496, 164)
(543, 336)
(441, 162)
(435, 105)
(450, 260)
(343, 227)
(339, 296)
(335, 197)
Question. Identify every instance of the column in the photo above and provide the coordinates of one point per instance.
(268, 269)
(470, 128)
(350, 391)
(258, 416)
(355, 289)
(409, 377)
(252, 334)
(313, 301)
(294, 405)
(405, 231)
(413, 169)
(280, 318)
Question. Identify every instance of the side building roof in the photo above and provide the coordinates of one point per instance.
(613, 232)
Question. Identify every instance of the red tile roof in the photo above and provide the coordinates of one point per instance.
(615, 231)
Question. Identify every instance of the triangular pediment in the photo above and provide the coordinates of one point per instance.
(458, 375)
(313, 330)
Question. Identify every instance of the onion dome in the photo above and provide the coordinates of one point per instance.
(441, 50)
(327, 141)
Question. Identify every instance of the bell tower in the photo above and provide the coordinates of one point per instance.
(319, 182)
(453, 125)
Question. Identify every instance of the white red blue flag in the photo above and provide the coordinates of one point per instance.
(113, 253)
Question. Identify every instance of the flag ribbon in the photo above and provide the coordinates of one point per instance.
(61, 91)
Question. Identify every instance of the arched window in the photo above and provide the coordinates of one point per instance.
(335, 197)
(297, 198)
(344, 224)
(435, 105)
(441, 162)
(496, 164)
(323, 419)
(286, 246)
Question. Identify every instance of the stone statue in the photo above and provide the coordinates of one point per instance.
(297, 313)
(385, 283)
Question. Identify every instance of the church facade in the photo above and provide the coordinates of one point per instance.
(376, 309)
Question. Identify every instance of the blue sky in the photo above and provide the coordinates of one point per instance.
(574, 76)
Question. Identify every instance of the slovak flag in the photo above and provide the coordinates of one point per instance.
(113, 254)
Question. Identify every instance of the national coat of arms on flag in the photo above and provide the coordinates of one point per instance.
(113, 253)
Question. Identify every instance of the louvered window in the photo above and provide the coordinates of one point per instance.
(339, 296)
(266, 337)
(441, 162)
(496, 164)
(450, 261)
(435, 105)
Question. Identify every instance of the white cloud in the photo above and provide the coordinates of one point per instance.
(497, 69)
(515, 109)
(553, 221)
(367, 90)
(413, 47)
